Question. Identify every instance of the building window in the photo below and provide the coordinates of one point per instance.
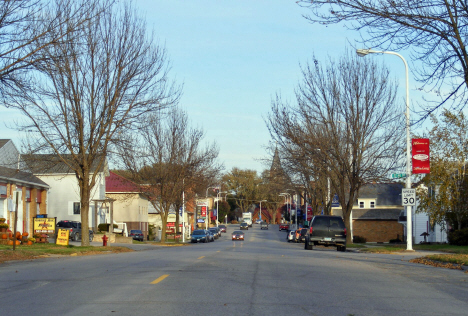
(361, 204)
(372, 204)
(76, 208)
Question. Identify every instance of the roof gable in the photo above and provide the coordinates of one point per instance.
(116, 183)
(384, 193)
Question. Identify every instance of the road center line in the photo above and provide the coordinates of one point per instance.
(162, 277)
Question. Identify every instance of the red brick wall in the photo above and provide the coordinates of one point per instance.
(377, 231)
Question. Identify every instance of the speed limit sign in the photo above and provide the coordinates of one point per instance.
(408, 197)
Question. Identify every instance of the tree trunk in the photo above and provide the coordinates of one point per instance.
(84, 209)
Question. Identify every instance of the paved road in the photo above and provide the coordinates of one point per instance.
(263, 275)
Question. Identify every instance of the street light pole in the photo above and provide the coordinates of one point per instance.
(289, 204)
(409, 223)
(260, 212)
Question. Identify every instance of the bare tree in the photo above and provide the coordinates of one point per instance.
(90, 89)
(168, 158)
(345, 123)
(27, 27)
(433, 30)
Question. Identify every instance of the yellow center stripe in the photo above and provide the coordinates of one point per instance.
(162, 277)
(201, 257)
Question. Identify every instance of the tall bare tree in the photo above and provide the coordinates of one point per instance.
(168, 158)
(433, 30)
(27, 27)
(91, 88)
(346, 123)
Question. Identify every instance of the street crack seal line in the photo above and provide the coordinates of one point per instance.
(162, 277)
(201, 257)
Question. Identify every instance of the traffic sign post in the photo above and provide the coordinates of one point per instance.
(408, 197)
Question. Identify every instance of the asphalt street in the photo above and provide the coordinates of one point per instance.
(262, 275)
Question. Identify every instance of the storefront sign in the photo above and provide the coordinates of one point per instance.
(44, 225)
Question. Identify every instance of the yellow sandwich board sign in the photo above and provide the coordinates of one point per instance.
(62, 237)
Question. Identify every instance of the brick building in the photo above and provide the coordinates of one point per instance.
(376, 211)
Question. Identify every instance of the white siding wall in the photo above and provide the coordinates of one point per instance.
(64, 191)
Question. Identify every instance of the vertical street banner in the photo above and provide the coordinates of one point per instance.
(420, 155)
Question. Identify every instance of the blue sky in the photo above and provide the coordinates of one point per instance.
(232, 57)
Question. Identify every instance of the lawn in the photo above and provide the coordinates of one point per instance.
(456, 255)
(40, 250)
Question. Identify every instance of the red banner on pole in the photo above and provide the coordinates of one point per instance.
(420, 153)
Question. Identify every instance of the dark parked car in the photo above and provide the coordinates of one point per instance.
(75, 229)
(199, 235)
(210, 235)
(136, 234)
(215, 232)
(244, 226)
(327, 231)
(222, 228)
(237, 235)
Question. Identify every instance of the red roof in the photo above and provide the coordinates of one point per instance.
(116, 183)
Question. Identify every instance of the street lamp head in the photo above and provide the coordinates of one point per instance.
(362, 52)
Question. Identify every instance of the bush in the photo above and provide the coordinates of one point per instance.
(458, 237)
(104, 227)
(359, 240)
(395, 241)
(234, 222)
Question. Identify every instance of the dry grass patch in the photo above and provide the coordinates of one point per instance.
(45, 250)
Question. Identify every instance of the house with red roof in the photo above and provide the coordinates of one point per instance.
(130, 205)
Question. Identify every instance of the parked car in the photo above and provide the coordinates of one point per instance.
(302, 234)
(258, 221)
(237, 235)
(264, 225)
(210, 235)
(297, 234)
(215, 232)
(284, 227)
(244, 226)
(199, 235)
(328, 231)
(222, 228)
(290, 236)
(75, 229)
(136, 234)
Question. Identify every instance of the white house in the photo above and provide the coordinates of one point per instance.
(422, 224)
(64, 193)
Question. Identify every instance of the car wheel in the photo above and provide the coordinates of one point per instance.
(309, 246)
(75, 237)
(343, 248)
(91, 237)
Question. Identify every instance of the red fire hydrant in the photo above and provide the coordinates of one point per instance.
(104, 240)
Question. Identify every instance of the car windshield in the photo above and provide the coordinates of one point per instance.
(198, 232)
(237, 233)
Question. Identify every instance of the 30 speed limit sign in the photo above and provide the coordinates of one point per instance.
(408, 197)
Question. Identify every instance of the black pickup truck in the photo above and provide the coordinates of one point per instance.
(75, 229)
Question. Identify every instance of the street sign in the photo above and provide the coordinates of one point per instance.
(408, 197)
(398, 175)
